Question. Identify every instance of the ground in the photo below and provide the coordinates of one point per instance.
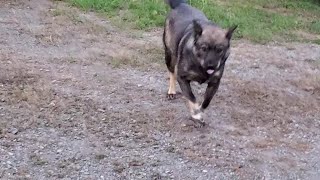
(82, 99)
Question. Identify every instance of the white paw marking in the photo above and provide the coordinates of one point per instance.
(197, 116)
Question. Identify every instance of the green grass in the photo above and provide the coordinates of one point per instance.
(258, 20)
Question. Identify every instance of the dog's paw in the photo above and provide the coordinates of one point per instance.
(197, 116)
(199, 124)
(198, 120)
(171, 96)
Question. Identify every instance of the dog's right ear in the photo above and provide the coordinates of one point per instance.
(197, 28)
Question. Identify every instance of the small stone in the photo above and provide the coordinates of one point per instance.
(100, 156)
(117, 167)
(60, 176)
(156, 137)
(14, 131)
(135, 163)
(205, 171)
(168, 134)
(255, 66)
(170, 149)
(156, 176)
(151, 79)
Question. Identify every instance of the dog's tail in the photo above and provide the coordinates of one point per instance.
(175, 3)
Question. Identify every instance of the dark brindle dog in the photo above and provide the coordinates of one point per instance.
(195, 50)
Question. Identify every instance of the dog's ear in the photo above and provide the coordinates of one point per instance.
(230, 31)
(197, 28)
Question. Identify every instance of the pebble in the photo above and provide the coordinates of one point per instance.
(14, 131)
(156, 137)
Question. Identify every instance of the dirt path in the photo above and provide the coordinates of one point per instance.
(81, 99)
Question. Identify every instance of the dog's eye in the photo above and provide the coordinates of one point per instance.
(204, 48)
(218, 50)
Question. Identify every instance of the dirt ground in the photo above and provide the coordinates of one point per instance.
(81, 99)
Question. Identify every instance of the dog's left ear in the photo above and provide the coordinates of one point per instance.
(230, 31)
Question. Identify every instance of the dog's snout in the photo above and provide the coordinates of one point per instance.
(210, 66)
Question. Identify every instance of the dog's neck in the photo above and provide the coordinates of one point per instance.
(190, 43)
(190, 47)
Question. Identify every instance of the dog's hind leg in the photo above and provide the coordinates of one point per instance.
(170, 62)
(172, 85)
(172, 76)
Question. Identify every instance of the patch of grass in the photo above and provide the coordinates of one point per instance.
(143, 13)
(117, 62)
(258, 20)
(315, 27)
(57, 12)
(150, 57)
(316, 41)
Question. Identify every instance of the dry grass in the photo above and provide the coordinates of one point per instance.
(268, 107)
(23, 86)
(308, 82)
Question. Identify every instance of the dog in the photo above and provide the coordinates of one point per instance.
(196, 49)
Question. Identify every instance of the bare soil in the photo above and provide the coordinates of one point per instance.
(82, 99)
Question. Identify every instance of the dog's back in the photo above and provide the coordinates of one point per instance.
(177, 21)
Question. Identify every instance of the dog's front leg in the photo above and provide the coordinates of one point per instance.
(210, 92)
(194, 107)
(212, 88)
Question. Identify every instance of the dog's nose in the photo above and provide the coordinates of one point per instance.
(210, 67)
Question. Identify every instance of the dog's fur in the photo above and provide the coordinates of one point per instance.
(195, 50)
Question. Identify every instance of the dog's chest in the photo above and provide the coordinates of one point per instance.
(195, 76)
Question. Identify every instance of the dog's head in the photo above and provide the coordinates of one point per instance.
(211, 45)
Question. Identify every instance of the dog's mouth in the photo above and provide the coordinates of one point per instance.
(210, 71)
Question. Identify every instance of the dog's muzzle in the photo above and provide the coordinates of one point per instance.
(210, 71)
